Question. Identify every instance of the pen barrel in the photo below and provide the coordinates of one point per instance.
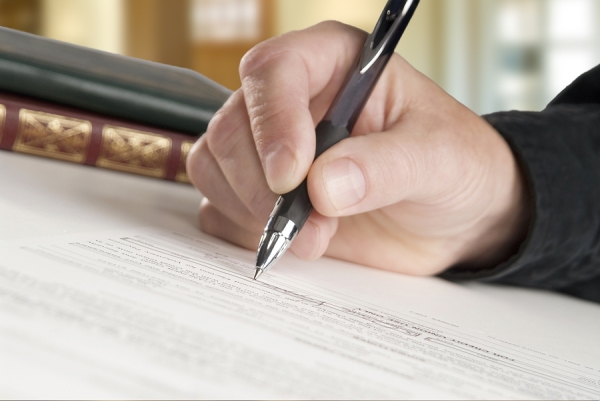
(353, 95)
(296, 205)
(328, 135)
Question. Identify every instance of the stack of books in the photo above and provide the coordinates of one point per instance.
(94, 108)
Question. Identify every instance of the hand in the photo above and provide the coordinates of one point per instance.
(421, 185)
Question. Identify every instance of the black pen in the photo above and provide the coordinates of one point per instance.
(292, 209)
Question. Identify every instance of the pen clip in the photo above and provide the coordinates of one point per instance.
(387, 32)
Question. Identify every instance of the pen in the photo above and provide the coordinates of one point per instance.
(292, 209)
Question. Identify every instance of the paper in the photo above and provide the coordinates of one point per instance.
(157, 314)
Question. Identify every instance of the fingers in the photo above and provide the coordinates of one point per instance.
(364, 173)
(280, 77)
(214, 166)
(224, 166)
(214, 222)
(313, 240)
(311, 243)
(228, 201)
(415, 160)
(262, 140)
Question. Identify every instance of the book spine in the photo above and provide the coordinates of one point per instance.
(44, 129)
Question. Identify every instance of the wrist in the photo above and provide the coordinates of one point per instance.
(504, 228)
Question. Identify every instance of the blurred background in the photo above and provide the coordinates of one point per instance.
(489, 54)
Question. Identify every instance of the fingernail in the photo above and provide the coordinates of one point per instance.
(280, 164)
(344, 182)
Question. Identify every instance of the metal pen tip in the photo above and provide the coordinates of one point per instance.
(275, 240)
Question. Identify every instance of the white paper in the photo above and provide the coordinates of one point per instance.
(150, 313)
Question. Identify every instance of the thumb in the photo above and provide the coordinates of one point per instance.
(367, 172)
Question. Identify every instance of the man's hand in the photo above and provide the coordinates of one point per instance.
(421, 185)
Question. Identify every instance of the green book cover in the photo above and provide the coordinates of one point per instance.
(142, 91)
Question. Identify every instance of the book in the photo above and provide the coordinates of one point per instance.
(45, 129)
(136, 90)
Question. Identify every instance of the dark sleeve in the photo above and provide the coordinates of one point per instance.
(559, 152)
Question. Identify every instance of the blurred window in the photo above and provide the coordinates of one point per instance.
(572, 39)
(223, 31)
(226, 20)
(543, 45)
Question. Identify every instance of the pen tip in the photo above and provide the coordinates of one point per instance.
(257, 273)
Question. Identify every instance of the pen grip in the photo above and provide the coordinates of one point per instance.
(296, 205)
(328, 135)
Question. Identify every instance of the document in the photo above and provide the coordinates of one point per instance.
(153, 313)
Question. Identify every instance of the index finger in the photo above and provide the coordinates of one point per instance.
(287, 79)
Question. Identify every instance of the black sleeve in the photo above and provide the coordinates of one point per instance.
(559, 152)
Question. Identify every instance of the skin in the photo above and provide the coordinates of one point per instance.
(423, 183)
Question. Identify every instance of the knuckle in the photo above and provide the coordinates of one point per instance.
(192, 157)
(201, 166)
(195, 160)
(228, 117)
(331, 25)
(259, 55)
(208, 218)
(220, 138)
(217, 132)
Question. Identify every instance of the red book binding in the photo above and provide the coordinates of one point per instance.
(45, 129)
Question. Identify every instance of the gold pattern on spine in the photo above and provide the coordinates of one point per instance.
(133, 151)
(51, 135)
(2, 119)
(181, 170)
